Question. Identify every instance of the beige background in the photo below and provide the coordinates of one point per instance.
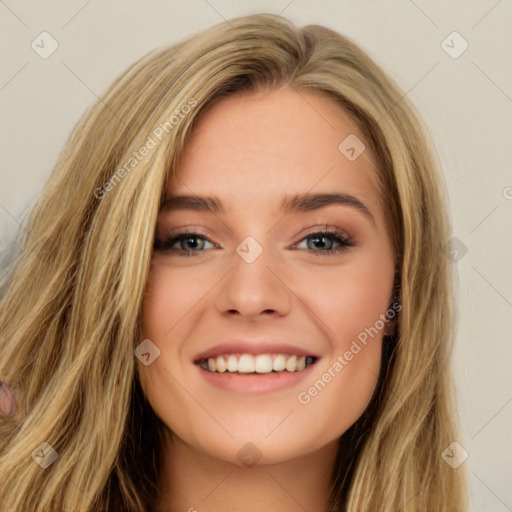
(467, 102)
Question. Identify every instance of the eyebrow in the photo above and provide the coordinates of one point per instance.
(289, 204)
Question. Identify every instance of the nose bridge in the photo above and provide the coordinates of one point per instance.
(251, 287)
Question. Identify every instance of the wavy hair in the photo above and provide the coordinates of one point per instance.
(71, 307)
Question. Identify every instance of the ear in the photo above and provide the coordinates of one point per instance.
(7, 402)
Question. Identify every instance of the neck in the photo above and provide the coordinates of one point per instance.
(193, 481)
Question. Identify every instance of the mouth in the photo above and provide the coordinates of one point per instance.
(256, 364)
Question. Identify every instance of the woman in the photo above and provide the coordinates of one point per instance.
(176, 333)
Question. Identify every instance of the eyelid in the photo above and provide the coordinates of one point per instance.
(326, 228)
(196, 230)
(185, 230)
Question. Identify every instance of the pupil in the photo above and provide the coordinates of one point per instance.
(192, 245)
(317, 240)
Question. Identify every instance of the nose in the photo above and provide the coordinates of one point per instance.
(254, 288)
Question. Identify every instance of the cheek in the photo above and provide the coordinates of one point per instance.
(335, 398)
(169, 296)
(351, 302)
(348, 299)
(163, 306)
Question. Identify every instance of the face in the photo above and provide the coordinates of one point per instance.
(269, 313)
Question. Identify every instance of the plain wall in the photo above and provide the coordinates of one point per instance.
(465, 101)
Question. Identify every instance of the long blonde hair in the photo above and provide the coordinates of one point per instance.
(70, 315)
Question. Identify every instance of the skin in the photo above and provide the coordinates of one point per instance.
(249, 151)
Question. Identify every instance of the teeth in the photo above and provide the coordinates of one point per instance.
(232, 364)
(263, 363)
(221, 364)
(246, 364)
(279, 363)
(291, 364)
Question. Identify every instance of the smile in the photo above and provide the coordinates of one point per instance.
(260, 364)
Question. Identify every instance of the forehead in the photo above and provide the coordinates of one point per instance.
(266, 144)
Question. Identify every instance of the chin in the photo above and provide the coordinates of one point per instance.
(254, 451)
(256, 441)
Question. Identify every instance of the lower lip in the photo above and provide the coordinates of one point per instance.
(255, 382)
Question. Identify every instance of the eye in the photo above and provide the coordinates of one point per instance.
(327, 242)
(188, 243)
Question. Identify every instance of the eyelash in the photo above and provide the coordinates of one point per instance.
(332, 233)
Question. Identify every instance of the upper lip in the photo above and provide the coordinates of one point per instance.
(254, 347)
